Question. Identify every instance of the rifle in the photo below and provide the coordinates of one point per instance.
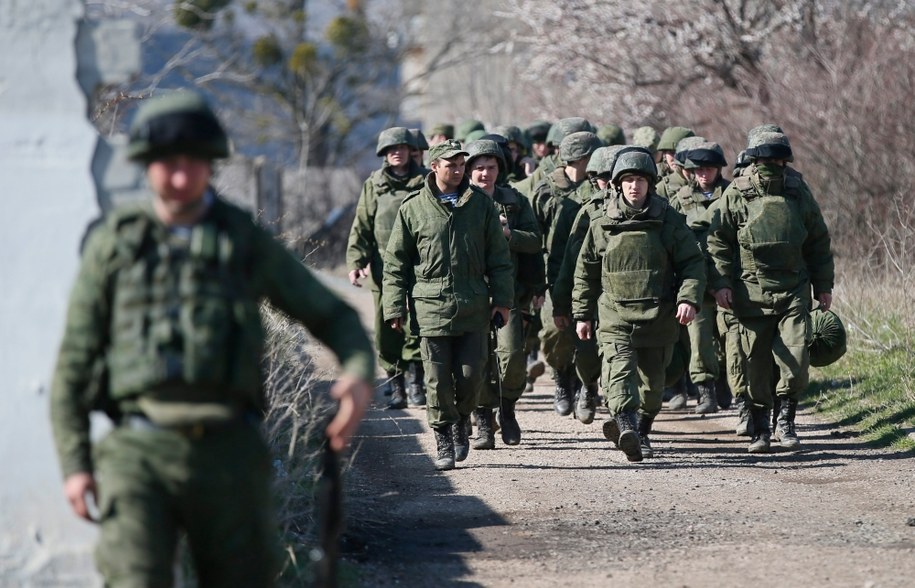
(330, 519)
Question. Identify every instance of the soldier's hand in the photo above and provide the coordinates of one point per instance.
(503, 310)
(356, 275)
(562, 322)
(353, 395)
(530, 164)
(583, 330)
(723, 297)
(537, 302)
(686, 312)
(76, 487)
(825, 300)
(396, 324)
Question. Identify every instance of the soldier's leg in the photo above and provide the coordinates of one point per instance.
(587, 366)
(734, 361)
(621, 383)
(652, 364)
(703, 360)
(413, 360)
(677, 373)
(469, 365)
(757, 335)
(793, 361)
(440, 394)
(389, 344)
(512, 365)
(558, 349)
(138, 529)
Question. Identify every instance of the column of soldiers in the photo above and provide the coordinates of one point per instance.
(638, 271)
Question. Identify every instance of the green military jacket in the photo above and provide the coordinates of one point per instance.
(554, 195)
(545, 167)
(768, 243)
(524, 244)
(382, 194)
(590, 211)
(170, 318)
(693, 205)
(669, 184)
(450, 261)
(634, 268)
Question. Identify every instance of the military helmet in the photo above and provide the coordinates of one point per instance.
(565, 127)
(178, 123)
(671, 136)
(466, 127)
(474, 135)
(611, 135)
(509, 164)
(763, 128)
(602, 159)
(829, 338)
(646, 137)
(512, 133)
(420, 139)
(394, 136)
(769, 145)
(578, 145)
(636, 161)
(444, 129)
(706, 154)
(685, 145)
(537, 130)
(487, 147)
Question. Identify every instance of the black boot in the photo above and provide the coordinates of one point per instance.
(416, 387)
(678, 399)
(508, 423)
(723, 392)
(708, 401)
(535, 367)
(398, 391)
(629, 440)
(444, 444)
(785, 432)
(762, 435)
(562, 401)
(744, 420)
(612, 431)
(644, 427)
(461, 440)
(486, 439)
(586, 403)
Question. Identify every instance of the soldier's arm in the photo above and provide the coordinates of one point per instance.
(84, 343)
(362, 236)
(526, 237)
(586, 289)
(817, 249)
(399, 259)
(721, 244)
(689, 262)
(564, 218)
(499, 267)
(562, 289)
(293, 289)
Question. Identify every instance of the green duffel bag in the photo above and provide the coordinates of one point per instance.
(829, 338)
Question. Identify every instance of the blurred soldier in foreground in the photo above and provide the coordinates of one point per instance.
(382, 194)
(163, 332)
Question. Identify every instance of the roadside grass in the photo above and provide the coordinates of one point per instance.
(871, 390)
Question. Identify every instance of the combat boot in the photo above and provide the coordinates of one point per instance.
(459, 432)
(644, 427)
(416, 387)
(586, 403)
(535, 368)
(761, 433)
(612, 431)
(744, 419)
(785, 432)
(723, 392)
(708, 401)
(629, 440)
(508, 423)
(444, 444)
(562, 402)
(398, 391)
(486, 439)
(678, 399)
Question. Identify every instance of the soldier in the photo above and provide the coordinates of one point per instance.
(705, 162)
(418, 152)
(611, 135)
(551, 161)
(536, 134)
(382, 193)
(440, 132)
(486, 168)
(769, 245)
(556, 201)
(448, 253)
(163, 324)
(667, 147)
(679, 175)
(466, 127)
(521, 164)
(648, 138)
(639, 274)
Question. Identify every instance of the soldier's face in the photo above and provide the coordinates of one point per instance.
(669, 159)
(449, 172)
(179, 181)
(483, 173)
(705, 177)
(540, 149)
(515, 149)
(602, 182)
(417, 156)
(635, 189)
(397, 155)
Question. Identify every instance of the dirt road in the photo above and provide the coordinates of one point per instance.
(564, 509)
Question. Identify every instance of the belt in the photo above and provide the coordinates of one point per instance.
(140, 422)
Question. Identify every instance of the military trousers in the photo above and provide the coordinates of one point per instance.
(634, 377)
(532, 332)
(454, 372)
(558, 344)
(587, 360)
(734, 360)
(153, 484)
(507, 364)
(703, 345)
(396, 349)
(784, 338)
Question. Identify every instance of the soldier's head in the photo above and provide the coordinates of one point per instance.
(508, 162)
(679, 160)
(667, 144)
(417, 152)
(770, 147)
(440, 132)
(648, 138)
(611, 135)
(536, 135)
(395, 144)
(600, 167)
(177, 136)
(447, 162)
(634, 173)
(515, 137)
(466, 127)
(576, 148)
(705, 161)
(485, 164)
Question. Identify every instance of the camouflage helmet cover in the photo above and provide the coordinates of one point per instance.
(394, 136)
(444, 129)
(611, 135)
(176, 123)
(706, 154)
(829, 338)
(420, 139)
(474, 135)
(685, 144)
(646, 137)
(763, 128)
(636, 161)
(538, 130)
(485, 147)
(671, 136)
(769, 145)
(565, 127)
(466, 127)
(603, 160)
(579, 145)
